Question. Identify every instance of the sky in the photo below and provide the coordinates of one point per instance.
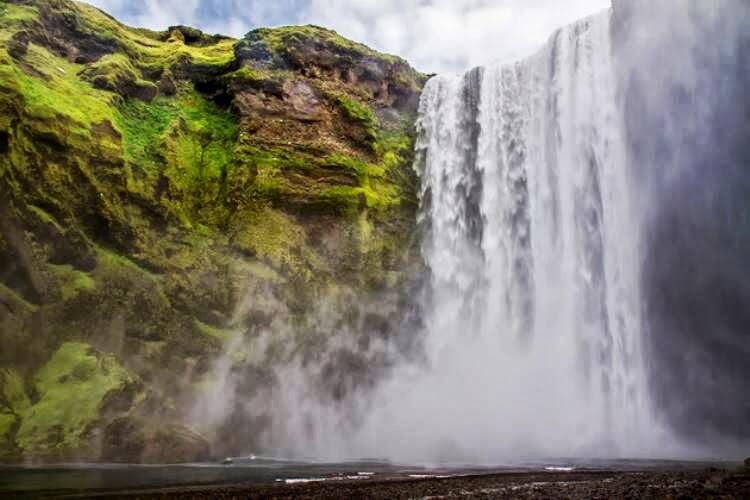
(436, 36)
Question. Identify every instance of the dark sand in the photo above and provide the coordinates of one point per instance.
(696, 484)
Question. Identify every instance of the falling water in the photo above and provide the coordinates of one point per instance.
(534, 340)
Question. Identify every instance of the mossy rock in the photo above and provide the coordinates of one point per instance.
(360, 113)
(116, 73)
(163, 195)
(8, 422)
(285, 40)
(13, 402)
(71, 388)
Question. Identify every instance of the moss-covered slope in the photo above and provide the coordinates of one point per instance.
(164, 193)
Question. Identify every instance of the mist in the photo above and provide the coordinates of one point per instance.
(685, 92)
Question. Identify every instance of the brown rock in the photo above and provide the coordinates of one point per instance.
(167, 85)
(304, 100)
(19, 44)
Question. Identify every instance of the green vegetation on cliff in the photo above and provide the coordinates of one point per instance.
(163, 194)
(360, 113)
(13, 403)
(286, 38)
(71, 386)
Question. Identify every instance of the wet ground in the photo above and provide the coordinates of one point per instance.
(593, 485)
(369, 479)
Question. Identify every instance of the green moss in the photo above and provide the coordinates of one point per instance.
(395, 147)
(269, 235)
(147, 47)
(345, 197)
(393, 176)
(186, 133)
(116, 73)
(254, 77)
(359, 167)
(92, 20)
(207, 148)
(217, 333)
(107, 261)
(71, 386)
(175, 51)
(61, 104)
(7, 422)
(280, 38)
(13, 402)
(268, 166)
(277, 239)
(72, 282)
(275, 159)
(142, 126)
(209, 211)
(361, 113)
(374, 191)
(13, 393)
(12, 14)
(246, 75)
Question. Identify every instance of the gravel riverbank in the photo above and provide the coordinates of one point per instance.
(708, 483)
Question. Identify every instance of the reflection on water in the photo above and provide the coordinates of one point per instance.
(77, 477)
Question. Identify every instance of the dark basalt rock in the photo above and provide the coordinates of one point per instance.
(19, 44)
(167, 84)
(192, 36)
(254, 51)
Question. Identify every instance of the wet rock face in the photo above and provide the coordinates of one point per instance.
(317, 52)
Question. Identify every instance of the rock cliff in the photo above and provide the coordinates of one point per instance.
(170, 199)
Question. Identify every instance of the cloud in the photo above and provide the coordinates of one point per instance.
(434, 35)
(452, 35)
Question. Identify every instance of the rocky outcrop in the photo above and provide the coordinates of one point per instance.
(169, 199)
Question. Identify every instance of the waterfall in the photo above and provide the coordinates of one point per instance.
(534, 339)
(584, 222)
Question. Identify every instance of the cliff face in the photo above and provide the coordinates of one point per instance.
(168, 199)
